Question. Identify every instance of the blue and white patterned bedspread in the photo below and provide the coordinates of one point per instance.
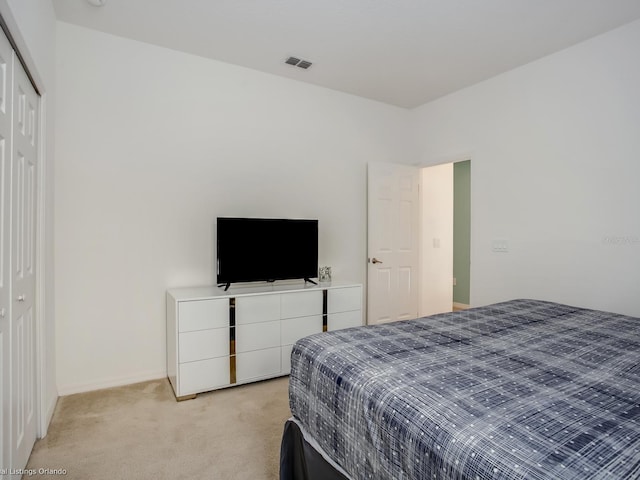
(517, 390)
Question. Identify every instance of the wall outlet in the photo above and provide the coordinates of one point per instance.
(455, 282)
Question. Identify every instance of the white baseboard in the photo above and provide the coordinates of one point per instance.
(47, 414)
(64, 390)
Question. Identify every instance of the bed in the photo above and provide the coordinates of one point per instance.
(524, 389)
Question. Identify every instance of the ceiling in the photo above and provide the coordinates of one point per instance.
(401, 52)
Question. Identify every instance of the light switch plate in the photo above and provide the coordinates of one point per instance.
(500, 245)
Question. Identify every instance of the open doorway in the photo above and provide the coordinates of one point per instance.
(445, 225)
(461, 235)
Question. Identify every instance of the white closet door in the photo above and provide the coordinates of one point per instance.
(23, 226)
(6, 97)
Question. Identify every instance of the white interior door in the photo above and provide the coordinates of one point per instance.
(23, 237)
(6, 75)
(393, 236)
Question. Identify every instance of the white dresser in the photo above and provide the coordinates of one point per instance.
(218, 338)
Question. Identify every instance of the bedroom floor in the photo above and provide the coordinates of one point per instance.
(140, 431)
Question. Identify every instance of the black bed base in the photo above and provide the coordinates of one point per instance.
(300, 461)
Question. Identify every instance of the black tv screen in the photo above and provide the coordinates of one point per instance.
(266, 249)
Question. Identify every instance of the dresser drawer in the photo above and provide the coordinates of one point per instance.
(203, 314)
(344, 299)
(338, 321)
(203, 344)
(258, 364)
(286, 359)
(257, 336)
(301, 304)
(259, 308)
(293, 329)
(203, 375)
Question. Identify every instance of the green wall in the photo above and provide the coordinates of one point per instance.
(461, 230)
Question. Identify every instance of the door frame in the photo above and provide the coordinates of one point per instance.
(44, 412)
(461, 157)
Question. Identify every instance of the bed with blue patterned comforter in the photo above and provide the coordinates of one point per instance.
(523, 389)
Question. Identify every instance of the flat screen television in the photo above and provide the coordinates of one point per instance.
(266, 249)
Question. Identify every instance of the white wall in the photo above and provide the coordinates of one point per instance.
(436, 253)
(555, 148)
(33, 25)
(153, 145)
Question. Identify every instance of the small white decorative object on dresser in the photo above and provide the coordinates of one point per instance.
(218, 339)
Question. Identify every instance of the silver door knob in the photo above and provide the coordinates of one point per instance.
(375, 260)
(3, 312)
(21, 298)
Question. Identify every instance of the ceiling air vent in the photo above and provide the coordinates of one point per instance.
(296, 62)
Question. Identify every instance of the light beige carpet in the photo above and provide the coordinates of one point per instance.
(140, 432)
